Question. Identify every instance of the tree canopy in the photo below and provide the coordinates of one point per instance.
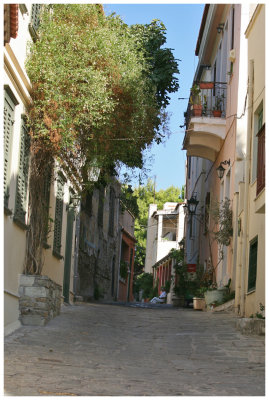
(99, 87)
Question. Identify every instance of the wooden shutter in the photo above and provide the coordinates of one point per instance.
(22, 177)
(57, 242)
(46, 200)
(9, 115)
(252, 271)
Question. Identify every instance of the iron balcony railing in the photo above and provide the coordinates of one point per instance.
(207, 99)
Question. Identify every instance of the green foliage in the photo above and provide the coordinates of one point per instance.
(223, 218)
(129, 200)
(93, 93)
(167, 286)
(124, 269)
(144, 281)
(147, 195)
(188, 284)
(162, 65)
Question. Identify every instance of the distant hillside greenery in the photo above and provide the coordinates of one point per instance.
(144, 196)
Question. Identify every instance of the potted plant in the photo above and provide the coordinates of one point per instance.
(217, 109)
(195, 100)
(199, 299)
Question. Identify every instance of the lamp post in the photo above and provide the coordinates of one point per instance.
(220, 169)
(192, 205)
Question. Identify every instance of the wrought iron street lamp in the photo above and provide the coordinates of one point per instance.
(192, 204)
(220, 169)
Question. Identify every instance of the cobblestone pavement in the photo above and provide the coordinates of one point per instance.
(99, 349)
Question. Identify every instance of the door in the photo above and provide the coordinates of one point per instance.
(68, 252)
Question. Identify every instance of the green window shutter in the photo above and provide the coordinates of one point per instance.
(22, 177)
(252, 270)
(46, 200)
(9, 115)
(57, 242)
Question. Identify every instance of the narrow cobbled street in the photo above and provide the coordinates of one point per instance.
(100, 349)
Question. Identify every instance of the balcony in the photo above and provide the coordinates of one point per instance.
(205, 120)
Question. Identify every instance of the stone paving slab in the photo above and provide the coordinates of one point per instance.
(101, 350)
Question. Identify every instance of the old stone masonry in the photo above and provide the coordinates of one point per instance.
(94, 349)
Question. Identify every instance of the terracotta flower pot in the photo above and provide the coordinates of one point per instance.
(206, 85)
(217, 113)
(197, 110)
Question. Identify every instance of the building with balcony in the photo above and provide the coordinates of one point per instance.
(164, 232)
(220, 150)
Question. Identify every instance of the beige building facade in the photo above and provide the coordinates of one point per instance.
(164, 232)
(19, 24)
(231, 37)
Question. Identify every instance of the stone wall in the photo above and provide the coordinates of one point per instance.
(40, 299)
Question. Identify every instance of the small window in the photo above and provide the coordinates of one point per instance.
(252, 269)
(258, 123)
(35, 20)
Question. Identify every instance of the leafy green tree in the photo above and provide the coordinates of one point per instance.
(96, 99)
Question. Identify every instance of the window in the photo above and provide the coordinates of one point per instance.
(101, 206)
(252, 269)
(10, 103)
(35, 20)
(258, 123)
(57, 242)
(189, 167)
(22, 177)
(111, 212)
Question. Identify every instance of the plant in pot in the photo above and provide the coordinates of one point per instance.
(199, 299)
(217, 109)
(195, 101)
(206, 85)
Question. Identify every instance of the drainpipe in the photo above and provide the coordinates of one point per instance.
(76, 275)
(246, 191)
(119, 259)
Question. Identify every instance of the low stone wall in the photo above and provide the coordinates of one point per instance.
(40, 299)
(251, 326)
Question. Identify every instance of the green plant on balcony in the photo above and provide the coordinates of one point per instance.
(123, 269)
(217, 109)
(195, 95)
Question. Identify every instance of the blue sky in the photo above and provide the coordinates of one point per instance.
(182, 22)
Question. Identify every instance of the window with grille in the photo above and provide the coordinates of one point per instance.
(9, 118)
(35, 20)
(22, 177)
(57, 241)
(111, 212)
(252, 269)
